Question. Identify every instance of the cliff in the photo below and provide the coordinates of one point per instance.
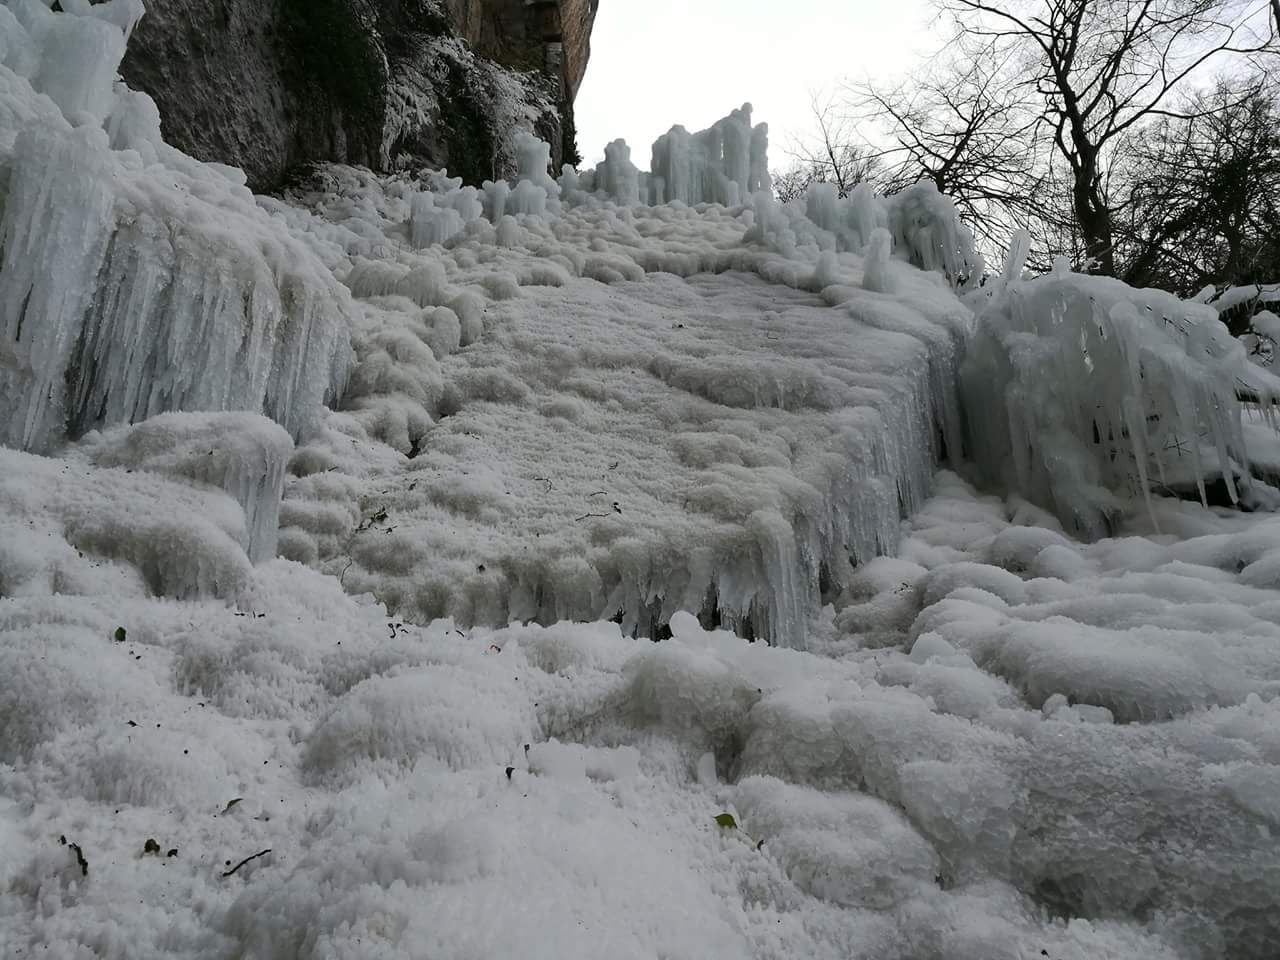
(271, 85)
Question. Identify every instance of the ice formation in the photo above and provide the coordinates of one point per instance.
(70, 529)
(725, 163)
(734, 382)
(781, 442)
(123, 259)
(618, 176)
(469, 256)
(243, 454)
(564, 402)
(1080, 390)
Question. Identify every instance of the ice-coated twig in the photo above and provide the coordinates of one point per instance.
(260, 853)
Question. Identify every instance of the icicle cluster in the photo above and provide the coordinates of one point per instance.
(133, 279)
(436, 218)
(1080, 391)
(927, 226)
(725, 163)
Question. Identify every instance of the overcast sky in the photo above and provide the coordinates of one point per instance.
(655, 63)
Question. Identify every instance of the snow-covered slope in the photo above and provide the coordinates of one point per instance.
(559, 403)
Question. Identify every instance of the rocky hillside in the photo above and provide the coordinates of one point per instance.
(269, 85)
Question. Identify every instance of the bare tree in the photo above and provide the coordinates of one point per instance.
(1202, 201)
(1098, 68)
(1205, 191)
(961, 123)
(833, 155)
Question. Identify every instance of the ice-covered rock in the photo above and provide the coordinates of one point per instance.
(272, 86)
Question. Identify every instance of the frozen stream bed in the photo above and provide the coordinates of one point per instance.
(718, 444)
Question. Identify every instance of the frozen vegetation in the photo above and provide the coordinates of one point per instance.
(1082, 392)
(335, 528)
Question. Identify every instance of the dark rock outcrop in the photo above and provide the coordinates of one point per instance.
(270, 85)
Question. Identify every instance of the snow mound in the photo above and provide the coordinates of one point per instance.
(1150, 662)
(67, 525)
(244, 455)
(407, 721)
(844, 848)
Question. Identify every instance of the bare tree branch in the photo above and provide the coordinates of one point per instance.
(1101, 69)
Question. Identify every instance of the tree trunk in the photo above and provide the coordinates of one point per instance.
(1094, 219)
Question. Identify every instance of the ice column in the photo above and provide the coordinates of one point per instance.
(618, 176)
(725, 163)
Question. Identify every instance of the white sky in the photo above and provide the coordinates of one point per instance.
(655, 63)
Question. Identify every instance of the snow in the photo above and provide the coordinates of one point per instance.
(1234, 296)
(885, 804)
(506, 515)
(498, 418)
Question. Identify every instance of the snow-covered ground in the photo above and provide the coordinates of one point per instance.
(377, 681)
(993, 736)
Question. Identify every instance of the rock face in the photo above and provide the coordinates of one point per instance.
(513, 31)
(269, 85)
